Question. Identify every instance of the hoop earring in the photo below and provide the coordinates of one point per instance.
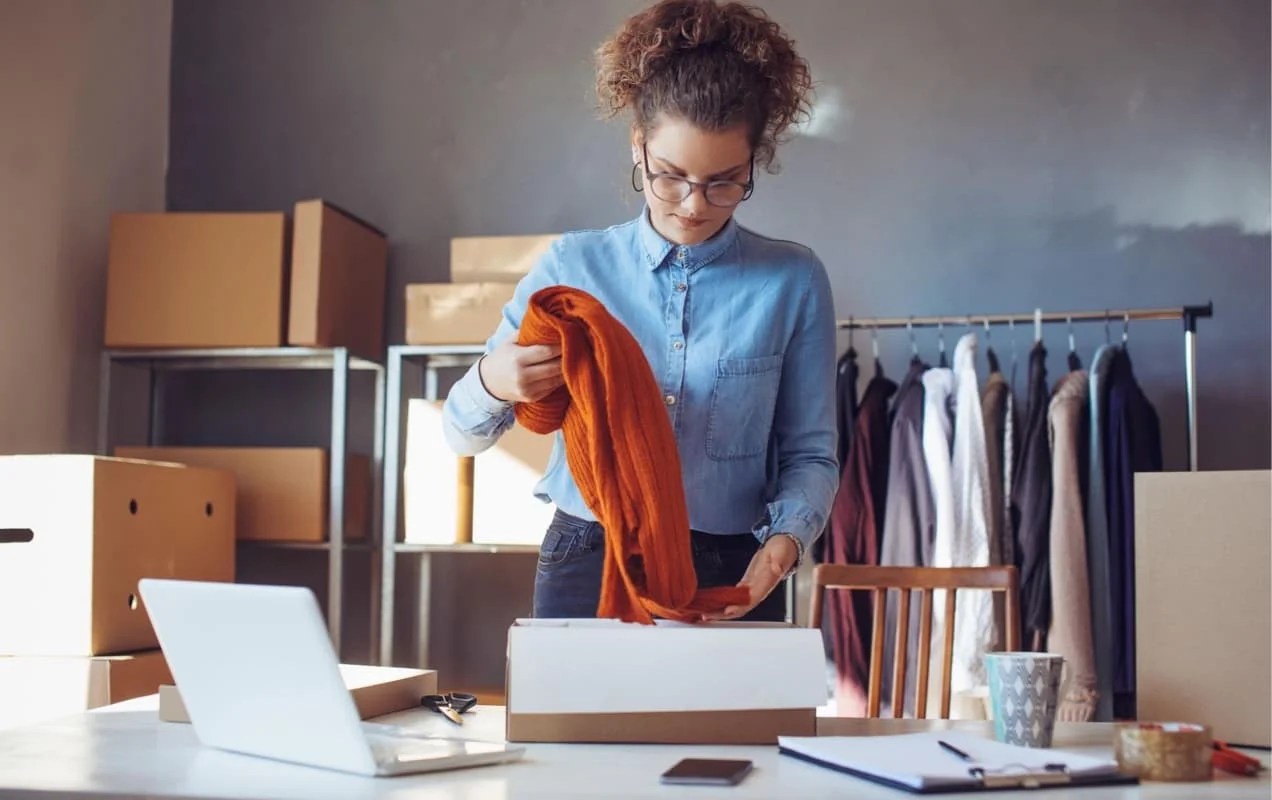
(636, 186)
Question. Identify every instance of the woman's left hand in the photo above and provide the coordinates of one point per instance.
(767, 568)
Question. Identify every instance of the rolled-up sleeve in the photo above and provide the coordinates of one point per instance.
(804, 423)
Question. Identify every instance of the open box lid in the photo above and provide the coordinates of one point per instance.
(607, 666)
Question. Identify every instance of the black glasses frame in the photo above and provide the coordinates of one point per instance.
(748, 188)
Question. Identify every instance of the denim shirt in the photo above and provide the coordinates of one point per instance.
(740, 334)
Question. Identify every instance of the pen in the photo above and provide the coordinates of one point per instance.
(949, 748)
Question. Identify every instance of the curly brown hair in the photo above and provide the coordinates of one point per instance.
(714, 65)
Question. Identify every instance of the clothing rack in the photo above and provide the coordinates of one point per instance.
(1188, 314)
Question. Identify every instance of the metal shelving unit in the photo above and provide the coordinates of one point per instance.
(336, 360)
(429, 359)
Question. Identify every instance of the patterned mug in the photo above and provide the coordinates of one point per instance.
(1024, 691)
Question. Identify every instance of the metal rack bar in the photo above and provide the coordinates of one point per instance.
(241, 358)
(1188, 314)
(336, 468)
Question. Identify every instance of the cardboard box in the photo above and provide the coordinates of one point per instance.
(338, 271)
(282, 491)
(1203, 543)
(504, 508)
(454, 313)
(197, 280)
(81, 531)
(497, 259)
(35, 688)
(607, 681)
(376, 691)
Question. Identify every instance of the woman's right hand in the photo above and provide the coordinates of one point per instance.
(516, 374)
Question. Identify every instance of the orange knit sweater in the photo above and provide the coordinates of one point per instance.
(622, 454)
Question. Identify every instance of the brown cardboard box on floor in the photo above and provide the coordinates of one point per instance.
(606, 681)
(497, 259)
(197, 280)
(376, 691)
(338, 271)
(454, 313)
(282, 491)
(1203, 542)
(33, 688)
(78, 532)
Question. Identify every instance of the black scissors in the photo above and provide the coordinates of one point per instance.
(449, 705)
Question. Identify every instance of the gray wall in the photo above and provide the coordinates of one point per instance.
(83, 133)
(972, 156)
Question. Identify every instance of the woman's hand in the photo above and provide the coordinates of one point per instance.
(516, 374)
(768, 566)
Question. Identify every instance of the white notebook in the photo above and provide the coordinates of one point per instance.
(918, 763)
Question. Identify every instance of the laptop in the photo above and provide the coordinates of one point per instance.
(258, 675)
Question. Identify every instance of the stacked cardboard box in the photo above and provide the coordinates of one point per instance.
(77, 533)
(205, 280)
(484, 271)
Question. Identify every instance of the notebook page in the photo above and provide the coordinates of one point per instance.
(918, 761)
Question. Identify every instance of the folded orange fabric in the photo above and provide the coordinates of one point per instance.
(622, 453)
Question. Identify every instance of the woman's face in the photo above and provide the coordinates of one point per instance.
(677, 147)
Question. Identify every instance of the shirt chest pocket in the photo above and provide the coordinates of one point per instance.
(743, 401)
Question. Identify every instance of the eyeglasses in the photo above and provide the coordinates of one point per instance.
(676, 188)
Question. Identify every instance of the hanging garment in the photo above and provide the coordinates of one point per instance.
(908, 520)
(1031, 507)
(1097, 531)
(974, 623)
(622, 452)
(1001, 547)
(938, 433)
(846, 374)
(1133, 444)
(855, 521)
(1070, 634)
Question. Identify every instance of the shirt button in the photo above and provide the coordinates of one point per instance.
(670, 399)
(680, 287)
(677, 345)
(680, 254)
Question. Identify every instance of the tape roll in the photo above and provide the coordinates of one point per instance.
(1169, 751)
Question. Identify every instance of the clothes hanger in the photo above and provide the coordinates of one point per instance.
(1107, 338)
(990, 355)
(874, 346)
(1037, 325)
(914, 344)
(851, 353)
(940, 333)
(1011, 327)
(1126, 330)
(1075, 363)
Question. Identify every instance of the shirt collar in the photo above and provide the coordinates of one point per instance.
(658, 250)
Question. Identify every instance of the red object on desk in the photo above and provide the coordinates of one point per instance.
(1236, 762)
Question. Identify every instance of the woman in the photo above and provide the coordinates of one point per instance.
(738, 328)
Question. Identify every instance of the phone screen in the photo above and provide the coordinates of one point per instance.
(708, 771)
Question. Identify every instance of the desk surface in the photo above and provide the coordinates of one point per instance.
(125, 750)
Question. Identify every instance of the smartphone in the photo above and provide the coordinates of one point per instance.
(708, 772)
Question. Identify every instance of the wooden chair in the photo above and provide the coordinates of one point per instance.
(928, 579)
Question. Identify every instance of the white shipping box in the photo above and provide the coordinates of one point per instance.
(718, 683)
(505, 510)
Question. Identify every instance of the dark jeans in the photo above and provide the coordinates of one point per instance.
(568, 581)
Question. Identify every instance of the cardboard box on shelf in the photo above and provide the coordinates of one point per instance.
(1203, 612)
(197, 280)
(376, 691)
(81, 531)
(35, 688)
(607, 681)
(454, 313)
(282, 491)
(338, 271)
(504, 508)
(499, 259)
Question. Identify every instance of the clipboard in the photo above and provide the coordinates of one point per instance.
(915, 764)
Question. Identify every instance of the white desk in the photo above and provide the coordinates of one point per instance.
(125, 750)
